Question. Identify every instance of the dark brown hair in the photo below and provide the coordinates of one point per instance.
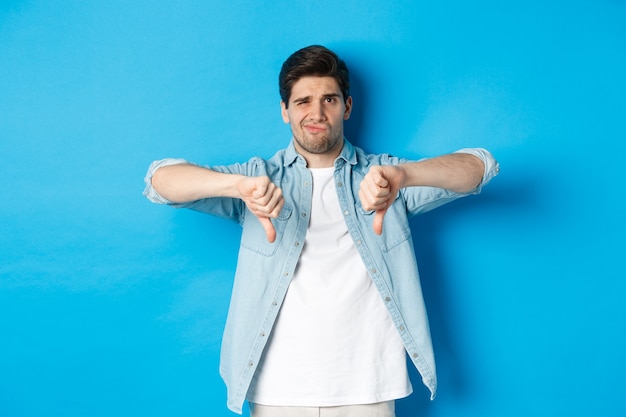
(314, 60)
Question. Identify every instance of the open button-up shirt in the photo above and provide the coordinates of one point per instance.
(264, 269)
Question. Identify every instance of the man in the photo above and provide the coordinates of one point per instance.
(326, 301)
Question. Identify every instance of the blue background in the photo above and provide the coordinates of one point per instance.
(111, 306)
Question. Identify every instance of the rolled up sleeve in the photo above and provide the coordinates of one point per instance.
(492, 167)
(150, 193)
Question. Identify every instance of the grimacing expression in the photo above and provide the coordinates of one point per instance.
(315, 113)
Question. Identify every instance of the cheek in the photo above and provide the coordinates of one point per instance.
(296, 117)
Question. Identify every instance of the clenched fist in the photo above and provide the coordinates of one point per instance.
(379, 189)
(264, 199)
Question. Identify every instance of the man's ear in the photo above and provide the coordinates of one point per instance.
(346, 114)
(283, 112)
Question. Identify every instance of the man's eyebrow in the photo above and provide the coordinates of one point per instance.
(301, 99)
(307, 98)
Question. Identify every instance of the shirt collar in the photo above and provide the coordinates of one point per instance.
(348, 154)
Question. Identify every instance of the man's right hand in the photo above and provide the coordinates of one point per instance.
(264, 199)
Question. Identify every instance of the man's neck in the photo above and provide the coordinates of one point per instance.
(321, 160)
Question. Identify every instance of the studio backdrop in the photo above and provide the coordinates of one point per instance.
(113, 306)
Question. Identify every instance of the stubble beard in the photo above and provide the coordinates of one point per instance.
(317, 144)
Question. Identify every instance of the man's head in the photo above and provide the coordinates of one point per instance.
(315, 89)
(314, 60)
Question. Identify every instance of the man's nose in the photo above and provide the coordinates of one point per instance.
(317, 111)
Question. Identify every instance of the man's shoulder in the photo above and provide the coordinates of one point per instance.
(366, 158)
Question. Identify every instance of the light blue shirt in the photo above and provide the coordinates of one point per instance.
(264, 269)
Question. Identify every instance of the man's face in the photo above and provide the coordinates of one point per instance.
(316, 113)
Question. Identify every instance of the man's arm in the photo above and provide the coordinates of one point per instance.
(182, 183)
(458, 172)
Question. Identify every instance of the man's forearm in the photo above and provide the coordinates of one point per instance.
(182, 183)
(459, 172)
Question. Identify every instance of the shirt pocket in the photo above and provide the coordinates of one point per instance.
(396, 229)
(253, 236)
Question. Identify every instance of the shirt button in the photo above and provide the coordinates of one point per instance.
(415, 355)
(303, 214)
(358, 242)
(306, 183)
(339, 184)
(387, 299)
(297, 244)
(346, 212)
(401, 328)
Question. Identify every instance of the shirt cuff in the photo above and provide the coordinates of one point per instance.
(492, 167)
(150, 193)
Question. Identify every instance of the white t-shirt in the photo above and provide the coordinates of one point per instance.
(333, 342)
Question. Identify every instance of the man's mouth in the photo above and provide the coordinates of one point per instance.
(312, 128)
